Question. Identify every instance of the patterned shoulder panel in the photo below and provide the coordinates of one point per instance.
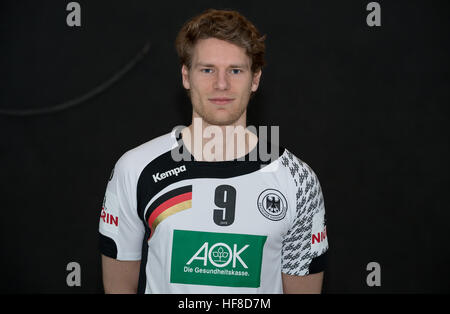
(299, 250)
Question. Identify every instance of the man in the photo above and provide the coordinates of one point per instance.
(180, 216)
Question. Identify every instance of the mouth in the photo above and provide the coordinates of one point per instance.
(221, 100)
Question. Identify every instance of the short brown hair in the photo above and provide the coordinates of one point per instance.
(225, 25)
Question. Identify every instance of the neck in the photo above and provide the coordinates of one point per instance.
(208, 142)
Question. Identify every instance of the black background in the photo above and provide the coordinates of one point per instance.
(365, 107)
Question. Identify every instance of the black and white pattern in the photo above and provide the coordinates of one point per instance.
(298, 252)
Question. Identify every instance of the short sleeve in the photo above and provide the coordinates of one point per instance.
(121, 231)
(305, 245)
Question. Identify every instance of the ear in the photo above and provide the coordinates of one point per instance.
(255, 80)
(185, 77)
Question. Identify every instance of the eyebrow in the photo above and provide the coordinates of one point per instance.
(209, 65)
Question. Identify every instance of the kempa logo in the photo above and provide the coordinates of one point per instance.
(172, 172)
(219, 255)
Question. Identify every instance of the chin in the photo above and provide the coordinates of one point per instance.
(220, 117)
(220, 121)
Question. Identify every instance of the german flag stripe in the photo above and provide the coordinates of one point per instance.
(170, 211)
(169, 207)
(166, 196)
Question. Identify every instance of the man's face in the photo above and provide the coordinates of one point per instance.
(220, 81)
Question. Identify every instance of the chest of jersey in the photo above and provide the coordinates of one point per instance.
(219, 231)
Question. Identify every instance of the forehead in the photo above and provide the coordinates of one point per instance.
(218, 52)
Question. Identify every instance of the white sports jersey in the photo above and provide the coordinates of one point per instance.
(213, 227)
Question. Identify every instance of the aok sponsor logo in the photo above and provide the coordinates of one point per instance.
(172, 172)
(219, 255)
(219, 259)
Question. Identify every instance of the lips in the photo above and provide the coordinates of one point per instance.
(221, 100)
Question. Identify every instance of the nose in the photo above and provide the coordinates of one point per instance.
(221, 81)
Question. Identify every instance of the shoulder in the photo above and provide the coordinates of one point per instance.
(298, 169)
(303, 179)
(135, 159)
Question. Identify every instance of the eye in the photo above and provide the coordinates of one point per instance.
(236, 71)
(207, 70)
